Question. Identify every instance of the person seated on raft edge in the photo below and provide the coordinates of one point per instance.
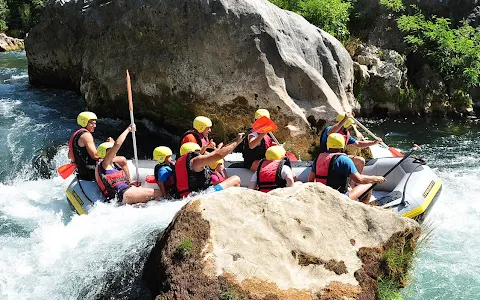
(163, 171)
(191, 169)
(82, 150)
(202, 126)
(273, 172)
(112, 179)
(218, 174)
(256, 144)
(344, 123)
(335, 169)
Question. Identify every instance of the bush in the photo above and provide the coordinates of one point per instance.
(329, 15)
(3, 15)
(453, 52)
(183, 249)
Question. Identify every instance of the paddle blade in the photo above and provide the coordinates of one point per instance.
(129, 92)
(395, 152)
(66, 170)
(263, 125)
(150, 179)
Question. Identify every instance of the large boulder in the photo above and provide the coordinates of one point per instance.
(222, 59)
(304, 242)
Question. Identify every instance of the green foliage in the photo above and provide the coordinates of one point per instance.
(329, 15)
(183, 249)
(461, 99)
(3, 15)
(388, 289)
(393, 5)
(19, 16)
(454, 52)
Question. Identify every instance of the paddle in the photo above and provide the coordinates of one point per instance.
(415, 147)
(263, 125)
(66, 170)
(130, 107)
(392, 150)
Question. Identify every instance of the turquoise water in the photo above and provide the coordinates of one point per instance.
(48, 253)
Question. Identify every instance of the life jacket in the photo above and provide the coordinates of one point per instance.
(79, 155)
(257, 153)
(108, 182)
(201, 140)
(170, 183)
(326, 174)
(187, 180)
(269, 174)
(342, 131)
(219, 175)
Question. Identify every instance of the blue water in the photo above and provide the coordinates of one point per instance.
(48, 253)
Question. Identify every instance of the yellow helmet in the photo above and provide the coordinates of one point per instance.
(275, 153)
(261, 113)
(84, 117)
(335, 141)
(347, 123)
(102, 149)
(201, 123)
(214, 164)
(189, 147)
(161, 153)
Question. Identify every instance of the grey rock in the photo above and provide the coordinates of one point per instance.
(218, 58)
(8, 43)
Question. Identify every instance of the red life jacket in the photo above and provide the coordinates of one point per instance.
(269, 174)
(170, 183)
(221, 178)
(201, 140)
(343, 131)
(79, 156)
(325, 172)
(108, 182)
(187, 180)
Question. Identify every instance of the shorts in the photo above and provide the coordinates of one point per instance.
(120, 194)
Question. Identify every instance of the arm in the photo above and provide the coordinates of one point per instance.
(364, 144)
(199, 162)
(335, 128)
(118, 143)
(210, 144)
(163, 189)
(89, 145)
(255, 141)
(362, 179)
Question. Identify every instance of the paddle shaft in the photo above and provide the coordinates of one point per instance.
(130, 107)
(369, 132)
(388, 172)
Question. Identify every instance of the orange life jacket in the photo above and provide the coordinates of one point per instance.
(187, 180)
(201, 140)
(269, 174)
(325, 172)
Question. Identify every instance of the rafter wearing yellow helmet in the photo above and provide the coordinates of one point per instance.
(202, 126)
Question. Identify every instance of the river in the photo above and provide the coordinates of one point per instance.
(46, 252)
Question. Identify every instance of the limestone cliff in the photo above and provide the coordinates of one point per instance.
(304, 242)
(222, 59)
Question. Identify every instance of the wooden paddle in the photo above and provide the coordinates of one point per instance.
(66, 170)
(130, 107)
(263, 125)
(392, 150)
(415, 147)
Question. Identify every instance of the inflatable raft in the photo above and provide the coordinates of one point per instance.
(411, 188)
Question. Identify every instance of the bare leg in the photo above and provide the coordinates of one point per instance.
(254, 166)
(357, 191)
(230, 181)
(140, 195)
(359, 163)
(122, 162)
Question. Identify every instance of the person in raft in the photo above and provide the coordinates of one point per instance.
(113, 180)
(192, 173)
(336, 169)
(202, 126)
(218, 174)
(343, 125)
(256, 144)
(81, 147)
(163, 171)
(273, 172)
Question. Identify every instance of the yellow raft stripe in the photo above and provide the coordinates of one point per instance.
(75, 203)
(421, 209)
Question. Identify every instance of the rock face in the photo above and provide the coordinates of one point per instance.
(304, 242)
(222, 59)
(10, 44)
